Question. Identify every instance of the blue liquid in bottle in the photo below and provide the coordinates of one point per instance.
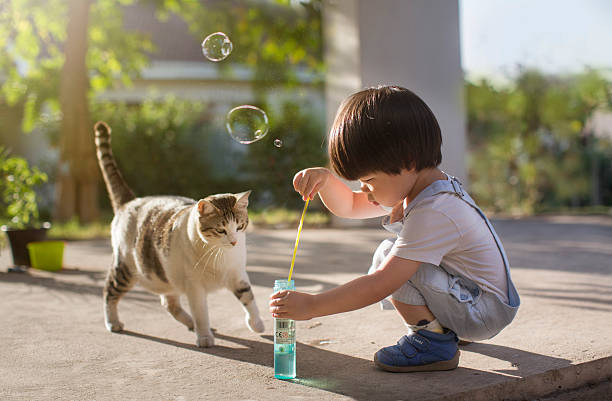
(284, 340)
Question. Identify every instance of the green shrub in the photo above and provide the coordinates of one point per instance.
(529, 150)
(177, 147)
(157, 146)
(18, 206)
(272, 168)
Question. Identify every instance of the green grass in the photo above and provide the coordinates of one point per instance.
(73, 230)
(287, 218)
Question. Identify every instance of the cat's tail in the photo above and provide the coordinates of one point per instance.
(118, 190)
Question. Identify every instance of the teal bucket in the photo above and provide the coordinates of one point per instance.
(46, 255)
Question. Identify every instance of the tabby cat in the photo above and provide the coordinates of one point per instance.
(173, 245)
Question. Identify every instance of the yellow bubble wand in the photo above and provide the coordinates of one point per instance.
(297, 239)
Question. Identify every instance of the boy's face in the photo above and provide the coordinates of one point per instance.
(385, 189)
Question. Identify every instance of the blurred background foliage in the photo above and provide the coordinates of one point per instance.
(273, 39)
(18, 207)
(529, 148)
(173, 146)
(164, 144)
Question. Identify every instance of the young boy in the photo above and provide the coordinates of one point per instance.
(446, 272)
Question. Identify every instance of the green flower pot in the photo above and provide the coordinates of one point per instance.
(46, 255)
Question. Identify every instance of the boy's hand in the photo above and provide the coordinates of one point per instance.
(309, 181)
(291, 305)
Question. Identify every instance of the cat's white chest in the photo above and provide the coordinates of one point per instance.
(212, 267)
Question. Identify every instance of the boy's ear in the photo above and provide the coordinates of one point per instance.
(205, 207)
(242, 199)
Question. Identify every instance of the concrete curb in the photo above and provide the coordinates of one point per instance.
(539, 385)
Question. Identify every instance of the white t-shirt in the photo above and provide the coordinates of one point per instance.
(445, 230)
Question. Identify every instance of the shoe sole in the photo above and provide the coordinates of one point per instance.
(442, 365)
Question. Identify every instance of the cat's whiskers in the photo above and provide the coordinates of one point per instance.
(216, 257)
(212, 253)
(208, 253)
(209, 269)
(199, 260)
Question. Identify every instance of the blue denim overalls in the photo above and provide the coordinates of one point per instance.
(457, 302)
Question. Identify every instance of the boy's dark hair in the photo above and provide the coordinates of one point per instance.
(385, 129)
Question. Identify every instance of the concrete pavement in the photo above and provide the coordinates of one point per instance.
(55, 346)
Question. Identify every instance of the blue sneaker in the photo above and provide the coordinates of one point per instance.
(420, 352)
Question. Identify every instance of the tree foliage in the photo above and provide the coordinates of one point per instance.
(33, 34)
(277, 39)
(528, 149)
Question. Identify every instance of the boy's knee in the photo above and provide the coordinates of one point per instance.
(408, 294)
(430, 276)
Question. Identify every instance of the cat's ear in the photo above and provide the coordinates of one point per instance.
(205, 207)
(242, 199)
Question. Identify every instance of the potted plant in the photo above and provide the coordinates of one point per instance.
(18, 207)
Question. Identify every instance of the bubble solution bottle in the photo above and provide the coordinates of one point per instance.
(284, 339)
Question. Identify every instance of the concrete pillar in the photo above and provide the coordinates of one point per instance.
(412, 43)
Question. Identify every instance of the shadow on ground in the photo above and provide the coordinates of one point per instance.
(315, 256)
(343, 374)
(61, 281)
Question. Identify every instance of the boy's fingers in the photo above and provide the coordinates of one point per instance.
(297, 180)
(304, 188)
(314, 191)
(301, 185)
(279, 294)
(276, 302)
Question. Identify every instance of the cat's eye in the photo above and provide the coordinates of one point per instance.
(241, 227)
(220, 231)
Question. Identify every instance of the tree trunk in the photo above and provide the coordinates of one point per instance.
(77, 174)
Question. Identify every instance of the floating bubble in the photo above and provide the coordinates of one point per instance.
(247, 124)
(216, 46)
(278, 143)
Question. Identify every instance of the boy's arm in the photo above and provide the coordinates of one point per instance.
(355, 294)
(335, 194)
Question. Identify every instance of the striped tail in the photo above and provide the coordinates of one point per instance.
(117, 188)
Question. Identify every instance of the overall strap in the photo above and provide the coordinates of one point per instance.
(452, 185)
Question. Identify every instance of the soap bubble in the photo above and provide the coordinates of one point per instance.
(216, 46)
(247, 124)
(278, 143)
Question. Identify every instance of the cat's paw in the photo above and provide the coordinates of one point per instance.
(254, 323)
(114, 327)
(206, 341)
